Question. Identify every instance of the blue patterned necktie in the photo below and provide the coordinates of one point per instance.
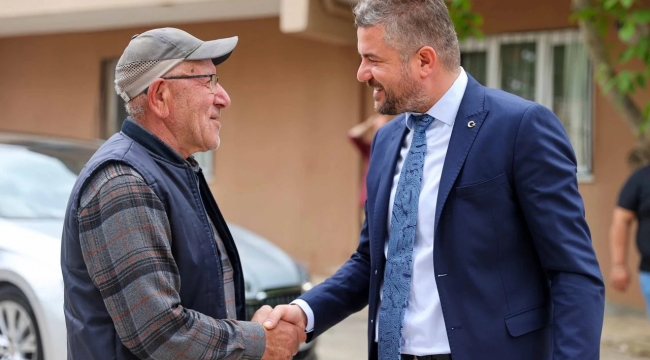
(399, 262)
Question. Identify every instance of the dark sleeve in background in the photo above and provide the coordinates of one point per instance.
(629, 197)
(635, 196)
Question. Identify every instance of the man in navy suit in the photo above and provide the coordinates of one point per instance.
(483, 252)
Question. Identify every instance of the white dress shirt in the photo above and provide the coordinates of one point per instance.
(424, 331)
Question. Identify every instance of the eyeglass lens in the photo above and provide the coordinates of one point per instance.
(214, 79)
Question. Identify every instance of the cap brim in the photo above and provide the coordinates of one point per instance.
(216, 50)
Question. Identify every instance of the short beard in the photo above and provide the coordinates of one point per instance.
(412, 97)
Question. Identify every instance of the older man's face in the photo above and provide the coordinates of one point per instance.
(196, 110)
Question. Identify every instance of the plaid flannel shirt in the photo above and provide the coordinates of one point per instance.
(126, 242)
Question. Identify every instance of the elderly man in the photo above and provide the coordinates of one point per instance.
(150, 269)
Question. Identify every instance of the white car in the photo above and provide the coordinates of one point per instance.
(36, 177)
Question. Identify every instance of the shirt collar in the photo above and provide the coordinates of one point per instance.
(446, 108)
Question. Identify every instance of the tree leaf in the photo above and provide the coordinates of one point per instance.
(625, 82)
(627, 31)
(584, 14)
(628, 54)
(466, 22)
(642, 80)
(641, 16)
(609, 85)
(627, 3)
(643, 50)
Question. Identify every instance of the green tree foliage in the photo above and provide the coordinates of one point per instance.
(621, 76)
(632, 23)
(466, 22)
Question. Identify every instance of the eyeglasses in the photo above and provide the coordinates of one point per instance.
(214, 80)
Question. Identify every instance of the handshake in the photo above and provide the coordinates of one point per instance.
(285, 330)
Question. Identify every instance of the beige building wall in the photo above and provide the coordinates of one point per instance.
(285, 169)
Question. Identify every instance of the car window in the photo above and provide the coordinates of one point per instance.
(33, 184)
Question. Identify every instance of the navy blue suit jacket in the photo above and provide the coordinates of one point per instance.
(522, 280)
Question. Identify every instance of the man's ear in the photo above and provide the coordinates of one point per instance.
(427, 60)
(158, 98)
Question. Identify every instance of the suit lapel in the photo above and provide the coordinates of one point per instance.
(472, 108)
(468, 122)
(380, 215)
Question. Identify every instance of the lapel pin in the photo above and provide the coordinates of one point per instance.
(471, 124)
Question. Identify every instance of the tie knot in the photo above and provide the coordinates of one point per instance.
(422, 122)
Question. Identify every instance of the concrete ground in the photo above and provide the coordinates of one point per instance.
(626, 336)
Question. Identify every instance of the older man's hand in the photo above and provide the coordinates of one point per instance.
(283, 339)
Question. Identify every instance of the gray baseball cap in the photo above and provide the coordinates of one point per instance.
(152, 54)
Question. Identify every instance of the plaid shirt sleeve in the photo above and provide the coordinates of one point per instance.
(126, 243)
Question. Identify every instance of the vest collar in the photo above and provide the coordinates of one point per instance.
(153, 144)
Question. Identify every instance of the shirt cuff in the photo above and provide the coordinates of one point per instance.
(253, 333)
(310, 314)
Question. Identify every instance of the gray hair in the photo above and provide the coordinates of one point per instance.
(412, 24)
(137, 107)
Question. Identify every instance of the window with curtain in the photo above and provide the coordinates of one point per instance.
(475, 63)
(551, 68)
(572, 98)
(115, 114)
(518, 69)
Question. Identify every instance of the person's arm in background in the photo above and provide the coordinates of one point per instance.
(619, 233)
(362, 134)
(619, 239)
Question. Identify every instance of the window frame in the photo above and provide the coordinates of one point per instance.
(545, 41)
(110, 100)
